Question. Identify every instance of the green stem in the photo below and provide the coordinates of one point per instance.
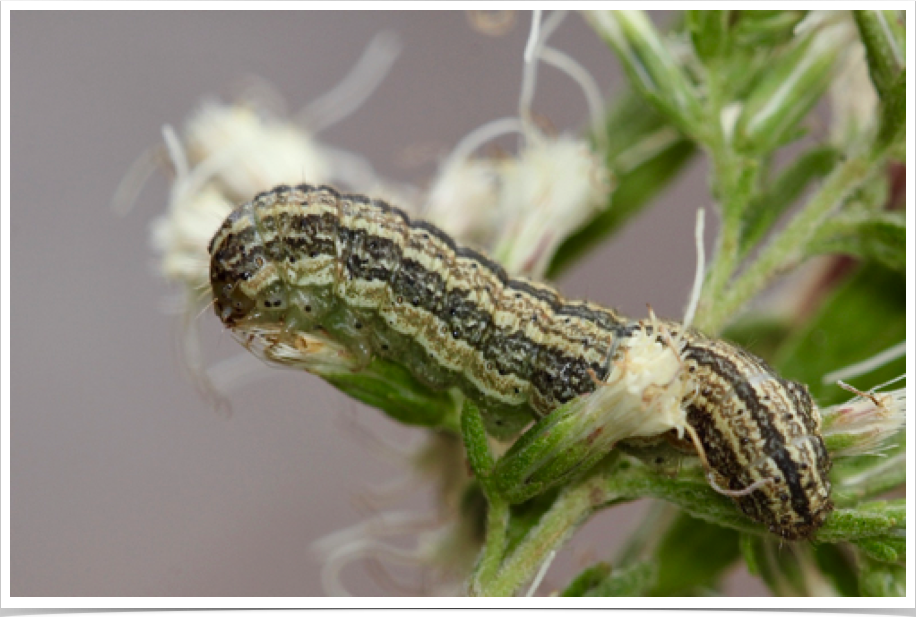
(734, 175)
(569, 511)
(494, 548)
(787, 249)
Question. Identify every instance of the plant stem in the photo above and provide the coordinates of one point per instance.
(494, 548)
(570, 510)
(787, 248)
(734, 174)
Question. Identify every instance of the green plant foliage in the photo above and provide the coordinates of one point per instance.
(693, 554)
(736, 86)
(763, 65)
(864, 316)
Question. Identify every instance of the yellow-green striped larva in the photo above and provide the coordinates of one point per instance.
(308, 259)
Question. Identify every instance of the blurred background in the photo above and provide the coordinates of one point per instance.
(125, 481)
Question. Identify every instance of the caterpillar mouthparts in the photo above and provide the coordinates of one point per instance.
(309, 259)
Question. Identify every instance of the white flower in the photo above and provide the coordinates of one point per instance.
(556, 186)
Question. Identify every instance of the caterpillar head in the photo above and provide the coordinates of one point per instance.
(246, 285)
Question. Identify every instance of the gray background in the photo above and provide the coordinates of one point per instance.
(124, 480)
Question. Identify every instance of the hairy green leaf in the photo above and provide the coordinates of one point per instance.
(693, 553)
(709, 31)
(886, 55)
(630, 581)
(650, 65)
(586, 580)
(879, 237)
(864, 316)
(783, 191)
(790, 88)
(393, 389)
(878, 579)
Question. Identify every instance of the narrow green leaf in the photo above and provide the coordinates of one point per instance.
(627, 478)
(709, 31)
(758, 29)
(650, 65)
(790, 88)
(586, 580)
(879, 237)
(881, 34)
(693, 553)
(877, 579)
(886, 56)
(884, 548)
(892, 127)
(872, 519)
(782, 192)
(476, 444)
(391, 388)
(628, 582)
(864, 316)
(553, 451)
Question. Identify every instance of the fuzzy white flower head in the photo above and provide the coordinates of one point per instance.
(250, 150)
(181, 237)
(555, 186)
(464, 198)
(228, 153)
(642, 396)
(522, 208)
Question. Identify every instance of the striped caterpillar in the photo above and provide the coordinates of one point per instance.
(308, 259)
